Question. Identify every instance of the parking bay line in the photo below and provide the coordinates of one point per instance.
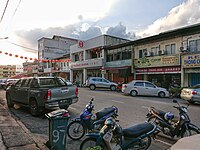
(117, 101)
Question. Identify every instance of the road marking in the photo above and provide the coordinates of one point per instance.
(117, 101)
(72, 108)
(163, 142)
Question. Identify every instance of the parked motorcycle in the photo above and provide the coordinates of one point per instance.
(173, 126)
(136, 137)
(87, 121)
(119, 86)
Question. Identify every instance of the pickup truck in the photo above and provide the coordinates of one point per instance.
(40, 93)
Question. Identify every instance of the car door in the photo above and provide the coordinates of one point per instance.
(139, 87)
(15, 91)
(105, 83)
(24, 91)
(150, 89)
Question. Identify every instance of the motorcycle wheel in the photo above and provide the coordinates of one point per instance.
(75, 130)
(143, 144)
(91, 144)
(190, 132)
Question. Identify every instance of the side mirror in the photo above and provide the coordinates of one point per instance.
(175, 101)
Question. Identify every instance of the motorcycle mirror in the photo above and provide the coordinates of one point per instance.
(175, 101)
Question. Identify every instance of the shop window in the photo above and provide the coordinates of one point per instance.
(194, 45)
(170, 49)
(140, 53)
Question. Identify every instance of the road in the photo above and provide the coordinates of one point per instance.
(132, 110)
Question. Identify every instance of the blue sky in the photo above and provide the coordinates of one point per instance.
(26, 21)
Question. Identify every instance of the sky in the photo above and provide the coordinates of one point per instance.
(24, 22)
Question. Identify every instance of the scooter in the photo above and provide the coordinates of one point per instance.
(119, 86)
(88, 121)
(173, 126)
(136, 137)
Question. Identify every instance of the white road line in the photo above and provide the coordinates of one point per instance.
(117, 101)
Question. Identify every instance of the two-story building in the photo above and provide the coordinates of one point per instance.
(88, 57)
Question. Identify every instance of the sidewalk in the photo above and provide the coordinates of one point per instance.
(15, 136)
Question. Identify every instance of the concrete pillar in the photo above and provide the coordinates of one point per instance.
(71, 75)
(84, 75)
(84, 55)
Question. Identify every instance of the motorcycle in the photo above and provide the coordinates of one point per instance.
(137, 137)
(173, 126)
(87, 121)
(119, 86)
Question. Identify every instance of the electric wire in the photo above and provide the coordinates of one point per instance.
(28, 49)
(16, 8)
(4, 10)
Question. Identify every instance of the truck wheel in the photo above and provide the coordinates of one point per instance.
(34, 108)
(9, 101)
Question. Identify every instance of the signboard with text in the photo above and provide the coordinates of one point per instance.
(176, 69)
(86, 63)
(157, 61)
(190, 61)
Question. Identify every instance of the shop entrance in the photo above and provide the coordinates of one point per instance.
(165, 80)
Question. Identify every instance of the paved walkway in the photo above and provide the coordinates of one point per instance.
(15, 136)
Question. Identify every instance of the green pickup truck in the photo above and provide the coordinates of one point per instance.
(40, 93)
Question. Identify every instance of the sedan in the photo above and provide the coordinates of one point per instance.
(141, 87)
(191, 94)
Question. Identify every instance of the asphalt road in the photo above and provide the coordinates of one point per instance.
(132, 110)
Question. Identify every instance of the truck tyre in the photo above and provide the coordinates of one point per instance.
(34, 107)
(9, 101)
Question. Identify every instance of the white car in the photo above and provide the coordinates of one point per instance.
(141, 87)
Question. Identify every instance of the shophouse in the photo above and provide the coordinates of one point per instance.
(191, 56)
(118, 63)
(157, 59)
(88, 57)
(50, 49)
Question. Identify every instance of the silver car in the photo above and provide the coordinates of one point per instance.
(191, 94)
(141, 87)
(98, 82)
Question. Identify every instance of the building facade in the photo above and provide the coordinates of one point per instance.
(7, 71)
(88, 57)
(118, 63)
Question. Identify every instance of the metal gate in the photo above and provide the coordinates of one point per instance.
(195, 78)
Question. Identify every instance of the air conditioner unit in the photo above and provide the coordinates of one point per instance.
(148, 54)
(163, 52)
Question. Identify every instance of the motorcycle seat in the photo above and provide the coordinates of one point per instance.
(159, 112)
(104, 112)
(137, 130)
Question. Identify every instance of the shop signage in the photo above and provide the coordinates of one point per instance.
(176, 69)
(87, 63)
(190, 61)
(192, 70)
(119, 63)
(157, 61)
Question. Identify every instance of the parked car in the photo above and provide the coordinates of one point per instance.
(2, 83)
(99, 82)
(191, 94)
(141, 87)
(8, 82)
(41, 93)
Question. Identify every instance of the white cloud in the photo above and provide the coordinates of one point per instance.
(185, 14)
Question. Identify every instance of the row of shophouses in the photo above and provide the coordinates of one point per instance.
(171, 57)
